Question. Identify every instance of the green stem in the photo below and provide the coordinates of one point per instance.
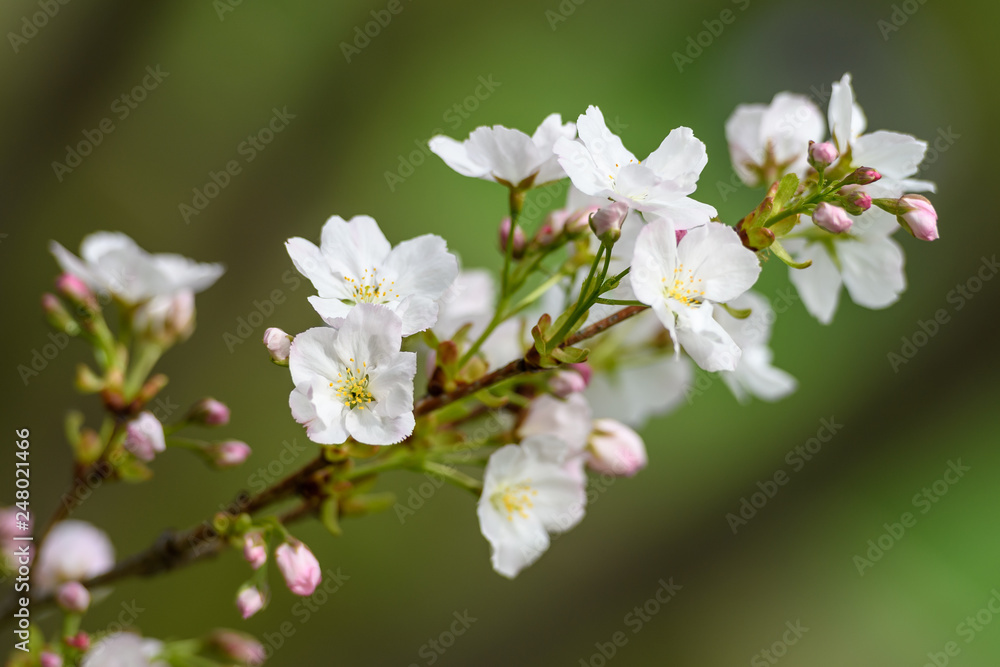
(146, 356)
(456, 477)
(618, 302)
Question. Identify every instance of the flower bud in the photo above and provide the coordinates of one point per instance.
(520, 241)
(578, 221)
(237, 646)
(552, 228)
(49, 659)
(166, 319)
(299, 567)
(86, 380)
(855, 200)
(278, 344)
(76, 292)
(862, 176)
(822, 155)
(832, 218)
(254, 549)
(80, 641)
(73, 597)
(918, 217)
(144, 436)
(615, 449)
(209, 412)
(229, 453)
(563, 383)
(607, 222)
(57, 315)
(249, 601)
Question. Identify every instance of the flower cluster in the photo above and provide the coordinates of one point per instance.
(532, 379)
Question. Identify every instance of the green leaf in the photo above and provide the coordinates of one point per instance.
(133, 470)
(784, 225)
(740, 314)
(329, 516)
(789, 184)
(570, 355)
(783, 255)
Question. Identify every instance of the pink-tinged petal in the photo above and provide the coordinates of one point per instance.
(615, 449)
(818, 284)
(567, 419)
(299, 567)
(872, 271)
(895, 155)
(680, 158)
(456, 155)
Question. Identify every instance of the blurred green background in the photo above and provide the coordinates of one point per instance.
(231, 63)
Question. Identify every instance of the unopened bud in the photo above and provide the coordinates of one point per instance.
(278, 344)
(832, 218)
(862, 176)
(615, 449)
(57, 315)
(822, 155)
(918, 217)
(73, 597)
(299, 567)
(49, 659)
(249, 601)
(566, 382)
(229, 453)
(208, 412)
(144, 437)
(80, 640)
(237, 646)
(76, 292)
(578, 221)
(855, 200)
(552, 228)
(254, 549)
(607, 222)
(520, 241)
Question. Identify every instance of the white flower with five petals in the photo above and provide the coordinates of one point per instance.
(599, 165)
(509, 157)
(681, 281)
(528, 493)
(355, 264)
(353, 380)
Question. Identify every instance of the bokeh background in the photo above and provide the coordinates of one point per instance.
(359, 116)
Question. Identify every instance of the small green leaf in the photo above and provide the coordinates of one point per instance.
(740, 314)
(329, 516)
(785, 225)
(789, 184)
(783, 255)
(570, 355)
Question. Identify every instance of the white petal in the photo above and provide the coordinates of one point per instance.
(604, 145)
(186, 274)
(633, 393)
(312, 353)
(421, 266)
(456, 155)
(895, 155)
(791, 122)
(717, 258)
(567, 419)
(391, 383)
(755, 376)
(510, 154)
(368, 334)
(872, 271)
(71, 264)
(96, 246)
(841, 113)
(681, 157)
(370, 428)
(311, 263)
(746, 147)
(578, 163)
(333, 311)
(705, 341)
(753, 330)
(548, 133)
(417, 313)
(315, 406)
(818, 284)
(653, 260)
(354, 246)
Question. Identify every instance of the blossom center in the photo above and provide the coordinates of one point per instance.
(369, 288)
(683, 287)
(352, 387)
(514, 499)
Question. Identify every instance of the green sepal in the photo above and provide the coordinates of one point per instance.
(782, 254)
(570, 355)
(329, 515)
(789, 184)
(785, 225)
(369, 503)
(740, 314)
(133, 470)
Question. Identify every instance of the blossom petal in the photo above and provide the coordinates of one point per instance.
(371, 428)
(353, 247)
(680, 158)
(895, 155)
(818, 284)
(715, 256)
(391, 381)
(311, 263)
(872, 271)
(605, 147)
(510, 154)
(705, 340)
(746, 147)
(578, 163)
(545, 137)
(653, 260)
(369, 334)
(841, 113)
(456, 155)
(421, 266)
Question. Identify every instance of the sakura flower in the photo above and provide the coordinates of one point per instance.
(567, 419)
(144, 436)
(299, 567)
(73, 551)
(355, 264)
(509, 157)
(754, 374)
(527, 494)
(249, 600)
(353, 381)
(615, 449)
(600, 165)
(166, 318)
(113, 263)
(681, 281)
(124, 649)
(768, 141)
(469, 301)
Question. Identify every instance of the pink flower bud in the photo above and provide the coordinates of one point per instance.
(564, 383)
(278, 344)
(607, 222)
(229, 453)
(299, 567)
(585, 371)
(80, 640)
(237, 646)
(47, 659)
(76, 291)
(520, 241)
(552, 228)
(578, 221)
(862, 176)
(615, 449)
(832, 218)
(855, 200)
(57, 315)
(209, 412)
(73, 597)
(254, 549)
(249, 601)
(822, 155)
(144, 437)
(919, 217)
